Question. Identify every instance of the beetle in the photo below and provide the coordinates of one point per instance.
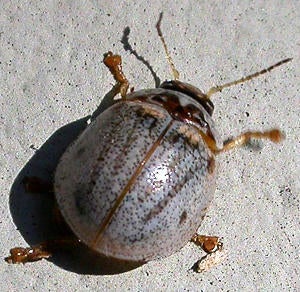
(137, 182)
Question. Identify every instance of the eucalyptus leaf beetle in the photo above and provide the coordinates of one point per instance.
(137, 183)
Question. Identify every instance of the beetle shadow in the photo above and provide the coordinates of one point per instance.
(128, 47)
(33, 213)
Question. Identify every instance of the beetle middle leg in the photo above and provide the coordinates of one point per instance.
(114, 63)
(273, 135)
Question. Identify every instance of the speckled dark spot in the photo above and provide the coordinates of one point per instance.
(204, 210)
(160, 206)
(140, 199)
(202, 217)
(79, 200)
(211, 165)
(153, 124)
(175, 138)
(183, 217)
(80, 151)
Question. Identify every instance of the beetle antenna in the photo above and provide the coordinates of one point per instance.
(174, 71)
(219, 88)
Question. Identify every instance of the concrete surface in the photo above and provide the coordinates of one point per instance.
(52, 78)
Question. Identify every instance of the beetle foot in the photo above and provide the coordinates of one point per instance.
(23, 255)
(210, 260)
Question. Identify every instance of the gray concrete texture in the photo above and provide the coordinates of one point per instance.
(52, 78)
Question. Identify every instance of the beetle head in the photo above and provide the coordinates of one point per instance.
(191, 91)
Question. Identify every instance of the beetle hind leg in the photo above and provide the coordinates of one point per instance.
(24, 255)
(44, 250)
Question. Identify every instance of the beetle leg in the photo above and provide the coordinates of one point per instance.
(38, 252)
(114, 63)
(274, 135)
(214, 249)
(219, 88)
(209, 244)
(23, 255)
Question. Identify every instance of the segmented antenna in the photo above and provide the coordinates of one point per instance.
(174, 71)
(219, 88)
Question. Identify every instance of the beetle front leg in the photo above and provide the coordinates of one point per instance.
(114, 63)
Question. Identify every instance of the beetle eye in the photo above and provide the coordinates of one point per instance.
(208, 105)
